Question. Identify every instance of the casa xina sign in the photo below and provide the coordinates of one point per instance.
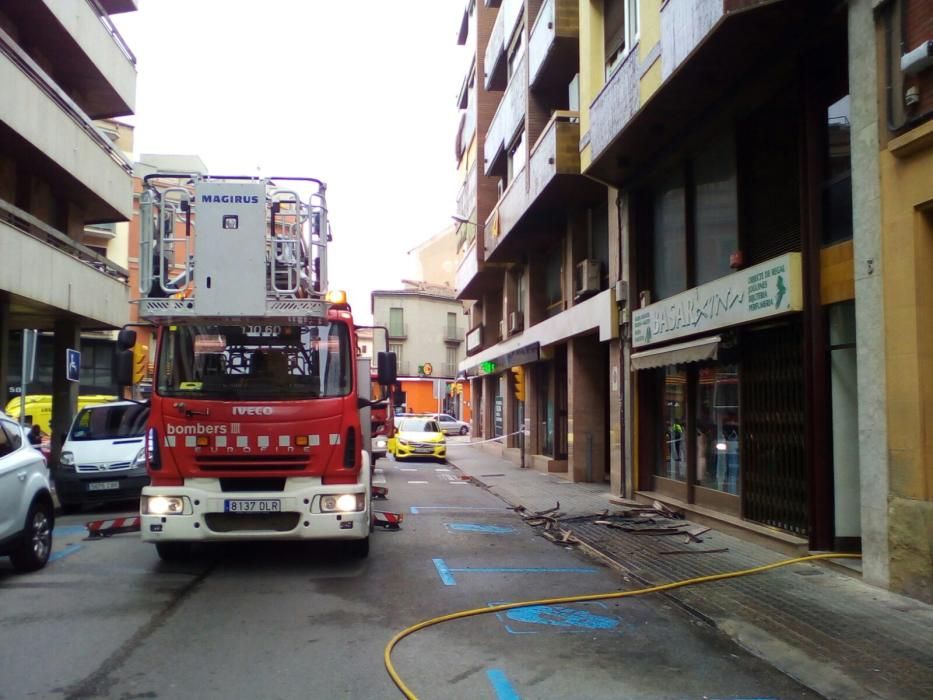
(764, 290)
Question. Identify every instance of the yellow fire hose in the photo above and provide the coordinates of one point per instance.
(583, 598)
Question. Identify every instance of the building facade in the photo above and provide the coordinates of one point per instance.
(694, 237)
(424, 325)
(63, 182)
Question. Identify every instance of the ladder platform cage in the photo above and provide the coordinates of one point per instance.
(221, 247)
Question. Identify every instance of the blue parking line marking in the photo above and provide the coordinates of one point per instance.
(70, 549)
(65, 530)
(476, 527)
(446, 572)
(500, 684)
(535, 619)
(417, 509)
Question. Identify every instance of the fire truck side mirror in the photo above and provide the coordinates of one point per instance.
(123, 361)
(386, 368)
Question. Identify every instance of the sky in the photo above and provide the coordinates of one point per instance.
(360, 94)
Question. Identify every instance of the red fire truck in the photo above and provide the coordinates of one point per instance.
(254, 429)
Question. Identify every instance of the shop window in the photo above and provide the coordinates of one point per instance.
(717, 428)
(672, 462)
(715, 210)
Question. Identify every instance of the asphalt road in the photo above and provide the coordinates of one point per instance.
(107, 619)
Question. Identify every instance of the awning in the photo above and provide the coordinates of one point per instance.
(681, 353)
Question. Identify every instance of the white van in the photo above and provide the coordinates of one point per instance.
(103, 458)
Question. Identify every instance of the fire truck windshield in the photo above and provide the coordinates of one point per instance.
(255, 362)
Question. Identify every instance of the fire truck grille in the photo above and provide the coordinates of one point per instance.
(252, 522)
(278, 463)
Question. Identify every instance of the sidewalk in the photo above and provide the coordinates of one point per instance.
(839, 636)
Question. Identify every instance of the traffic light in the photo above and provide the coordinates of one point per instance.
(140, 362)
(518, 377)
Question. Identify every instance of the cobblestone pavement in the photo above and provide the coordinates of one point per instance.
(839, 636)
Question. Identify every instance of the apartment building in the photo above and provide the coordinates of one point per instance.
(64, 181)
(700, 229)
(539, 246)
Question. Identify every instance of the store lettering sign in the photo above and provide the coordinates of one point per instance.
(767, 289)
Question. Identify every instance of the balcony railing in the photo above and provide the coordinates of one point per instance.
(555, 153)
(509, 117)
(495, 58)
(450, 369)
(552, 47)
(30, 225)
(403, 368)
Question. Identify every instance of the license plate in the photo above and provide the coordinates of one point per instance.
(253, 505)
(424, 450)
(103, 485)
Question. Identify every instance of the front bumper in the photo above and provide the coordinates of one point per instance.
(206, 517)
(82, 487)
(422, 450)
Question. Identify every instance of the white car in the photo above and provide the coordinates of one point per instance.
(27, 514)
(450, 425)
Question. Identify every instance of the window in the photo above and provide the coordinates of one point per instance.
(516, 50)
(690, 250)
(717, 419)
(837, 182)
(451, 325)
(672, 462)
(396, 322)
(716, 210)
(397, 349)
(620, 29)
(517, 156)
(670, 237)
(553, 289)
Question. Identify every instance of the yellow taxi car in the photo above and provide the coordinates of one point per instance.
(418, 437)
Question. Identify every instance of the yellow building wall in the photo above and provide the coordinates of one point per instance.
(592, 67)
(907, 226)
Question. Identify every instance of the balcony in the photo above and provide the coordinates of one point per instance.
(452, 335)
(553, 49)
(509, 118)
(706, 49)
(496, 59)
(41, 122)
(450, 369)
(50, 273)
(403, 368)
(554, 185)
(88, 57)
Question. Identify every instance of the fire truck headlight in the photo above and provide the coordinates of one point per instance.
(347, 503)
(163, 505)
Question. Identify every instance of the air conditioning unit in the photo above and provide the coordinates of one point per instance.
(587, 280)
(516, 322)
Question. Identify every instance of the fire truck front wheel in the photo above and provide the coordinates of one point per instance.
(173, 551)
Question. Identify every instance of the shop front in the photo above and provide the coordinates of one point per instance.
(720, 396)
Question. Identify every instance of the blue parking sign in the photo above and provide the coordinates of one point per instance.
(73, 365)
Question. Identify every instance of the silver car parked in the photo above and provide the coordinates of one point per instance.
(27, 513)
(450, 425)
